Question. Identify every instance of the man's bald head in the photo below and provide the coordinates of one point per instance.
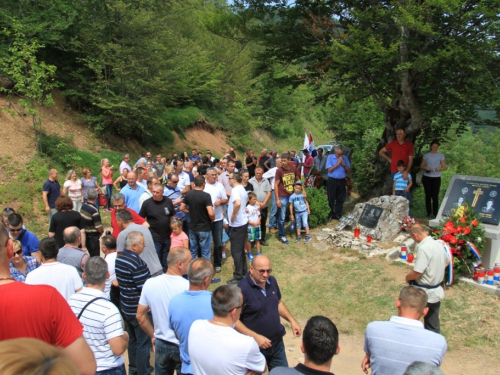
(71, 235)
(260, 260)
(418, 232)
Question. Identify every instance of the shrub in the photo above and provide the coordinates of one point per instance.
(318, 202)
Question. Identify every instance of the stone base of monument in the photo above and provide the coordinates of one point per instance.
(488, 288)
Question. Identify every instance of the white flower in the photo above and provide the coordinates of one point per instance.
(479, 239)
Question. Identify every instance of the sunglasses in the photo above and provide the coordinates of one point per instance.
(18, 252)
(15, 230)
(264, 271)
(238, 307)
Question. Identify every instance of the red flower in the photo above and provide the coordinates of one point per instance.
(453, 240)
(453, 250)
(466, 230)
(462, 220)
(474, 223)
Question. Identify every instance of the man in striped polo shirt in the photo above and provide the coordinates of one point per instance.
(101, 319)
(391, 346)
(132, 273)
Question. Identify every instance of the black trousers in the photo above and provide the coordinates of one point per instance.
(336, 196)
(431, 320)
(431, 189)
(238, 236)
(263, 226)
(92, 243)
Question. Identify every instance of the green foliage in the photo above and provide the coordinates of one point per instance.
(318, 203)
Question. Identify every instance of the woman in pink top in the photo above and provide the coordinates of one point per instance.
(178, 238)
(74, 188)
(107, 180)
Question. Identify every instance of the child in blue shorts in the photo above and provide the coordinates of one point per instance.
(299, 211)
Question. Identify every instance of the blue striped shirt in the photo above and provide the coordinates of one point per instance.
(400, 183)
(131, 273)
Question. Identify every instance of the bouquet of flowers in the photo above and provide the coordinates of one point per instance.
(407, 223)
(464, 236)
(314, 179)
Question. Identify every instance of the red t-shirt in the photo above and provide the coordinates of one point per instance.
(37, 311)
(399, 152)
(114, 224)
(308, 161)
(286, 180)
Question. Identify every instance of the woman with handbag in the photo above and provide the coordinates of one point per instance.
(433, 164)
(107, 181)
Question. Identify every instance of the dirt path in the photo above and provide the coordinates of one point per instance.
(348, 361)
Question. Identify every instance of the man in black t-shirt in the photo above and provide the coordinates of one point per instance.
(199, 205)
(159, 212)
(251, 162)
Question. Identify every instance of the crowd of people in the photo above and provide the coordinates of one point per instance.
(171, 223)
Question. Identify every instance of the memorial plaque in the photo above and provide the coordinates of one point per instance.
(482, 196)
(370, 216)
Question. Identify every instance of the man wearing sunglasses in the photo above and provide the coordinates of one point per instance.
(260, 316)
(29, 241)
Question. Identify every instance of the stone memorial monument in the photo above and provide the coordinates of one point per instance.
(380, 217)
(483, 196)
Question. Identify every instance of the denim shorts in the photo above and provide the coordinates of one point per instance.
(301, 219)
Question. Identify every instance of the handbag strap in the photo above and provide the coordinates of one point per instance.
(87, 305)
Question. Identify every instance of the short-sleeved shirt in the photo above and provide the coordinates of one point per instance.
(173, 195)
(431, 262)
(61, 276)
(136, 219)
(31, 264)
(91, 219)
(29, 242)
(110, 260)
(158, 215)
(157, 293)
(131, 273)
(393, 345)
(177, 240)
(309, 160)
(53, 190)
(198, 201)
(253, 213)
(260, 188)
(209, 345)
(286, 179)
(132, 196)
(102, 322)
(339, 172)
(184, 180)
(217, 193)
(62, 220)
(260, 313)
(53, 322)
(74, 189)
(433, 161)
(159, 168)
(240, 193)
(300, 369)
(400, 183)
(399, 152)
(251, 169)
(124, 165)
(299, 202)
(183, 310)
(87, 185)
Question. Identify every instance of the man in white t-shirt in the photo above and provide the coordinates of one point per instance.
(219, 199)
(215, 347)
(101, 319)
(61, 276)
(156, 295)
(238, 223)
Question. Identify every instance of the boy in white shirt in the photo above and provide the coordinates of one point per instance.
(254, 233)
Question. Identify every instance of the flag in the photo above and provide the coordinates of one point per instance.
(312, 147)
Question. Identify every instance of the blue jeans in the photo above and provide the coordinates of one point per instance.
(109, 191)
(217, 237)
(120, 370)
(274, 211)
(275, 355)
(139, 347)
(162, 249)
(200, 241)
(167, 358)
(301, 220)
(282, 216)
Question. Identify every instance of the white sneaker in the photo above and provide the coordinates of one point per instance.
(223, 255)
